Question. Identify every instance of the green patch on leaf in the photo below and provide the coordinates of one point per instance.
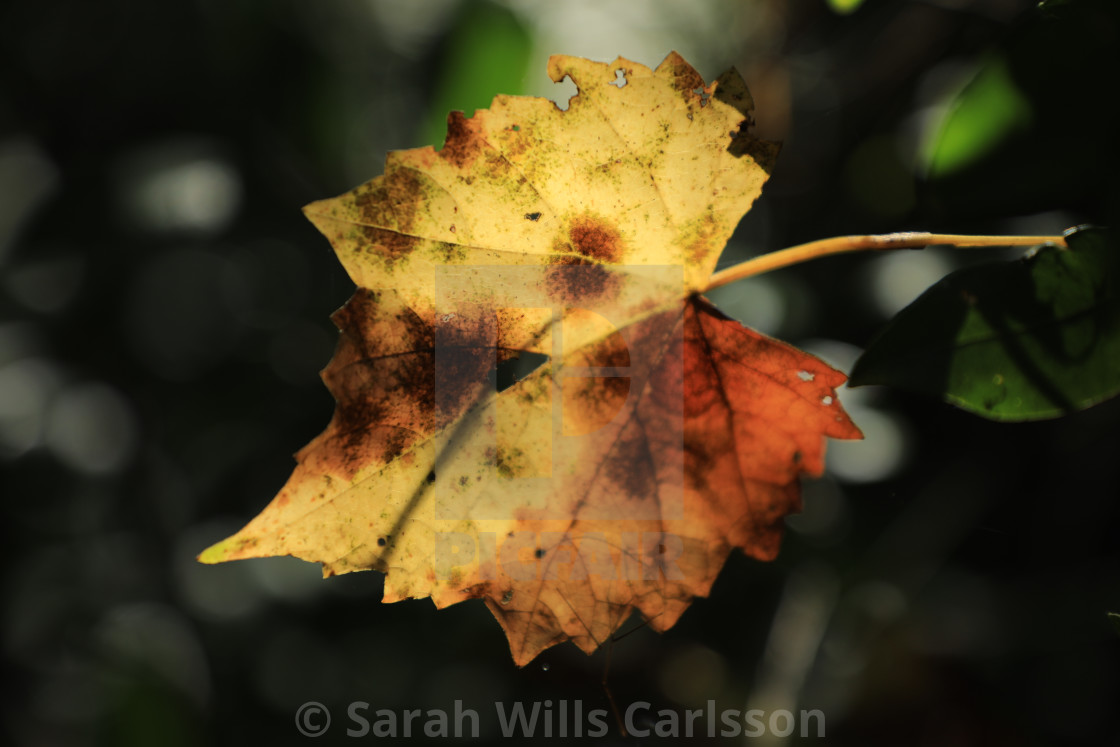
(1025, 340)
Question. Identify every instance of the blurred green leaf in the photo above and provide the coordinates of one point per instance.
(988, 110)
(487, 54)
(1035, 338)
(1115, 620)
(845, 7)
(989, 159)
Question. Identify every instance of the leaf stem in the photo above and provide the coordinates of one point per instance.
(840, 244)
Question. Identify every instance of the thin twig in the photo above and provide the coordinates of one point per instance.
(607, 689)
(841, 244)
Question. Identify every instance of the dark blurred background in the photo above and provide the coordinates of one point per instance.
(164, 313)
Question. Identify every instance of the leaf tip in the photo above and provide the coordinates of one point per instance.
(231, 548)
(858, 375)
(216, 553)
(319, 213)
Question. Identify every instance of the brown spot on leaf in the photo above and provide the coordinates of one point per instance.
(371, 204)
(631, 469)
(387, 208)
(478, 591)
(571, 280)
(452, 253)
(704, 239)
(464, 359)
(699, 455)
(395, 442)
(595, 238)
(391, 244)
(684, 77)
(383, 403)
(508, 463)
(583, 278)
(514, 143)
(464, 143)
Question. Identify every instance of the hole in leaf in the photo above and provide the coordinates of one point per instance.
(704, 95)
(513, 370)
(539, 553)
(563, 93)
(619, 78)
(826, 400)
(804, 375)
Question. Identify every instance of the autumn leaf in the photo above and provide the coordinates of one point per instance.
(656, 436)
